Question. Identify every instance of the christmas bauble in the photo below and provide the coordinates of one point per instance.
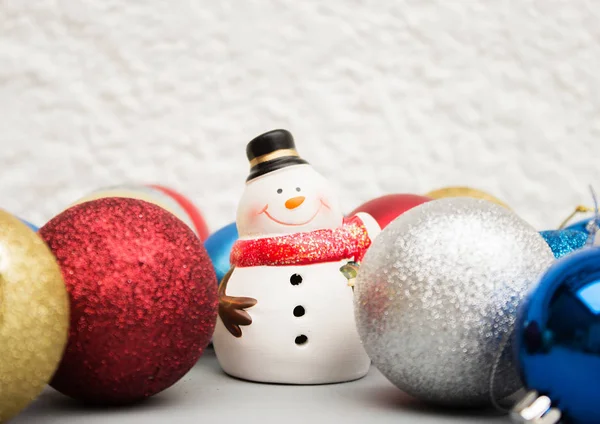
(34, 315)
(437, 293)
(387, 208)
(218, 246)
(563, 242)
(557, 337)
(199, 224)
(165, 197)
(584, 225)
(446, 192)
(30, 225)
(143, 299)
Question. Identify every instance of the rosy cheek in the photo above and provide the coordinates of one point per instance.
(255, 211)
(324, 202)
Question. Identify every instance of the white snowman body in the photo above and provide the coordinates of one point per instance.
(303, 329)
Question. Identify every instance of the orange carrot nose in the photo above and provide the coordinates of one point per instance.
(294, 202)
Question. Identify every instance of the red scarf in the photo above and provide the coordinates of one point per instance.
(350, 241)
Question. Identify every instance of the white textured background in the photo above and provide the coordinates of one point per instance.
(382, 96)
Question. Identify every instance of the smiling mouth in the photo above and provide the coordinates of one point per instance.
(299, 224)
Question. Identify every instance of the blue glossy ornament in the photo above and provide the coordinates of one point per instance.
(557, 344)
(29, 224)
(219, 247)
(563, 242)
(580, 225)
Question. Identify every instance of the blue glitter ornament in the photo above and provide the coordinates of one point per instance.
(30, 225)
(563, 242)
(219, 247)
(557, 342)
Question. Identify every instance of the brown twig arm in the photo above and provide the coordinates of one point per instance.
(232, 309)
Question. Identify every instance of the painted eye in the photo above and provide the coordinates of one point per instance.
(279, 191)
(297, 188)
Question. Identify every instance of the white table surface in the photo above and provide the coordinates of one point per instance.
(207, 395)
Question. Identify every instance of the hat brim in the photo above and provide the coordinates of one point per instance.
(274, 165)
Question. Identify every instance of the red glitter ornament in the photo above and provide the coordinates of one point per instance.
(143, 299)
(387, 208)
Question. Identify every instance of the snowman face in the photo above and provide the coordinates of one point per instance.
(290, 200)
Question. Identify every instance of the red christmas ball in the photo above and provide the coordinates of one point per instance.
(387, 208)
(143, 298)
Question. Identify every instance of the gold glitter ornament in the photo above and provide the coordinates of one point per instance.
(34, 315)
(464, 192)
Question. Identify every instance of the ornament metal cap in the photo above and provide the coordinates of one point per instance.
(271, 151)
(535, 409)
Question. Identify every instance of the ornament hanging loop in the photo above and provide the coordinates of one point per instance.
(579, 209)
(535, 409)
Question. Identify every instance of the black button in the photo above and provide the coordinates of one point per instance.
(302, 339)
(299, 311)
(295, 279)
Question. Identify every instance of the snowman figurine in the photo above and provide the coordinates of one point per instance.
(286, 306)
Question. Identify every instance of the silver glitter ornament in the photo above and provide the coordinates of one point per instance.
(437, 294)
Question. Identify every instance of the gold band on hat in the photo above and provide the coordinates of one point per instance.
(273, 155)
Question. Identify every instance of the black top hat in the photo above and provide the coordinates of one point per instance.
(271, 151)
